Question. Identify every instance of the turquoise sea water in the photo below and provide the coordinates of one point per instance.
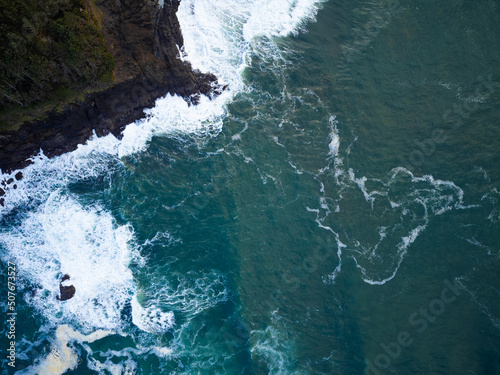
(337, 211)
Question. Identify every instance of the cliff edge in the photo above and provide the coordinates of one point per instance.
(144, 40)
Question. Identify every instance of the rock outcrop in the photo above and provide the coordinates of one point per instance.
(144, 39)
(66, 292)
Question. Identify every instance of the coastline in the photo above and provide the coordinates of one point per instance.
(144, 39)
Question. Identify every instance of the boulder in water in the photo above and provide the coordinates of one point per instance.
(66, 292)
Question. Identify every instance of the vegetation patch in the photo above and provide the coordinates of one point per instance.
(51, 53)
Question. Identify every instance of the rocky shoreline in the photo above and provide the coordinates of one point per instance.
(144, 39)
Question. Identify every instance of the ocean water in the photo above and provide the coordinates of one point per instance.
(335, 211)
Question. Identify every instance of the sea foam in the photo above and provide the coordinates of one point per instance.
(55, 233)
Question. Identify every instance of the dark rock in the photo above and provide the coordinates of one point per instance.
(10, 181)
(19, 176)
(143, 39)
(66, 292)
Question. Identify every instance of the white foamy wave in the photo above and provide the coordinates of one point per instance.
(63, 238)
(62, 356)
(361, 184)
(412, 200)
(491, 201)
(402, 249)
(125, 367)
(404, 203)
(217, 35)
(279, 18)
(320, 220)
(421, 197)
(274, 349)
(333, 151)
(151, 319)
(124, 361)
(193, 293)
(218, 32)
(173, 116)
(334, 137)
(40, 179)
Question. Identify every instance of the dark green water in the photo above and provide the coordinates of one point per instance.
(278, 253)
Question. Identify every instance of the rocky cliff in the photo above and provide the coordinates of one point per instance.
(144, 40)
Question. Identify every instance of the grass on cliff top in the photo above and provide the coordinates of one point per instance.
(51, 53)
